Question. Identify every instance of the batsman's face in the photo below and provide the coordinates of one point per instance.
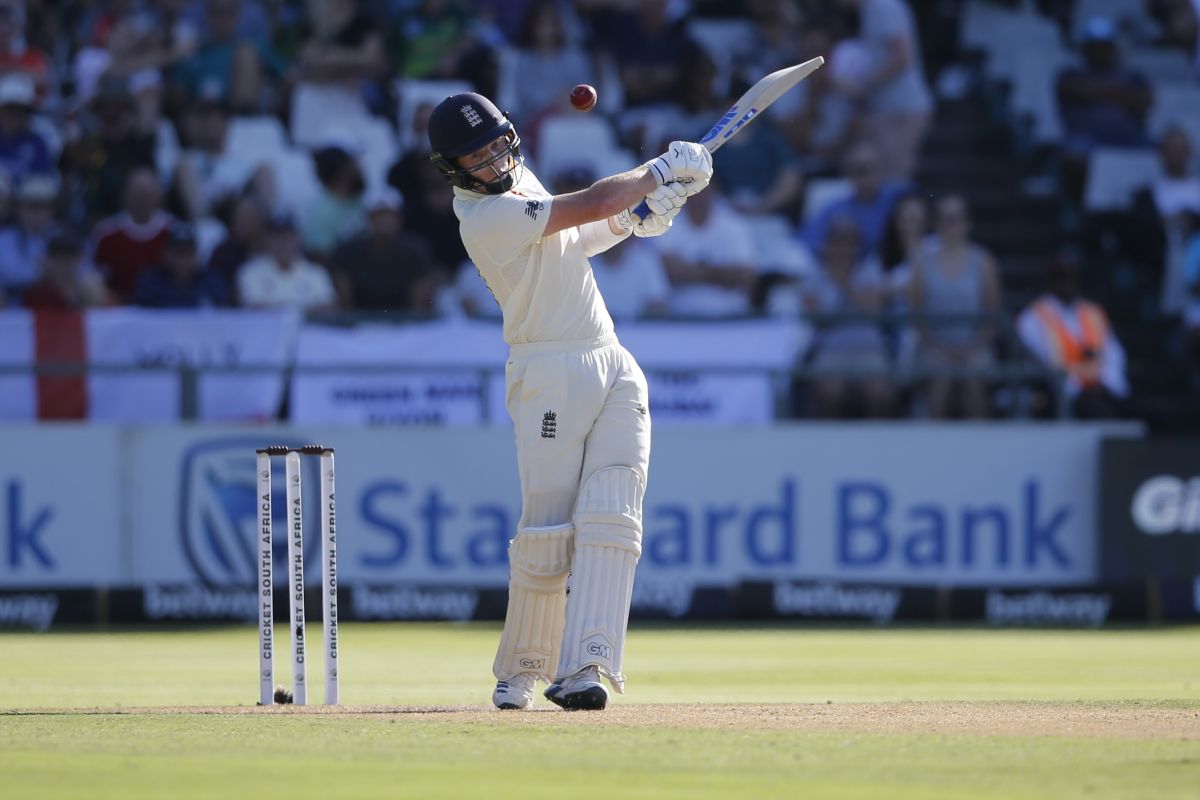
(490, 162)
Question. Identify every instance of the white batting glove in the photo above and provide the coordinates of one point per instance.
(666, 198)
(654, 225)
(683, 161)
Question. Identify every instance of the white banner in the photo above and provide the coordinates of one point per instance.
(18, 392)
(953, 505)
(398, 374)
(452, 371)
(208, 338)
(62, 493)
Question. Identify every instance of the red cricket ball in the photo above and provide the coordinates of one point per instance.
(583, 97)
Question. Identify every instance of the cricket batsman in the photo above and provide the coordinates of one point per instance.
(577, 398)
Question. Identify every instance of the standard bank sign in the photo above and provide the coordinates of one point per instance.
(438, 507)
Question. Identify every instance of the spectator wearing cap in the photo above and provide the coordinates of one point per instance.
(65, 285)
(385, 268)
(281, 277)
(1102, 103)
(16, 56)
(22, 150)
(114, 141)
(336, 212)
(1073, 335)
(132, 241)
(23, 244)
(180, 281)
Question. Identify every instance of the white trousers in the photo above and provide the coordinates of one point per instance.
(577, 407)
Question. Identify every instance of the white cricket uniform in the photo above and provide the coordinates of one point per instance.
(577, 398)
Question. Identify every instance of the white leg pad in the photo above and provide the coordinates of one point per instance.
(539, 561)
(608, 543)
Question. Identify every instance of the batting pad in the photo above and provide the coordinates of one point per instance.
(539, 561)
(608, 543)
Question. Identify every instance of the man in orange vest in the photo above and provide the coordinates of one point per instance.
(1073, 335)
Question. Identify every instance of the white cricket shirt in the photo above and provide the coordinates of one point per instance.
(544, 285)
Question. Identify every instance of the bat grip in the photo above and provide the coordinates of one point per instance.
(641, 211)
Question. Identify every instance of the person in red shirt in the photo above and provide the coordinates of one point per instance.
(15, 54)
(134, 240)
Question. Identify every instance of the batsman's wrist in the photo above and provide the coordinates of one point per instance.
(660, 169)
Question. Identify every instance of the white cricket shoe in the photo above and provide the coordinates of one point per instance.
(516, 693)
(582, 691)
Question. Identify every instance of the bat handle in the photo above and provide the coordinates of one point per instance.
(641, 211)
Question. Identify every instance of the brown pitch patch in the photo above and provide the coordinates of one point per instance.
(1121, 721)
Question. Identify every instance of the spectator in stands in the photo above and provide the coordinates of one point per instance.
(128, 243)
(385, 268)
(951, 275)
(905, 232)
(245, 239)
(1102, 103)
(65, 285)
(23, 244)
(180, 281)
(337, 212)
(1191, 307)
(430, 38)
(650, 45)
(891, 83)
(759, 170)
(1073, 335)
(821, 121)
(850, 356)
(22, 150)
(709, 258)
(1159, 225)
(114, 141)
(544, 64)
(208, 173)
(428, 207)
(869, 203)
(345, 49)
(281, 277)
(16, 55)
(633, 280)
(238, 69)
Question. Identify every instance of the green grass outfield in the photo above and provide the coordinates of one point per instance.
(712, 712)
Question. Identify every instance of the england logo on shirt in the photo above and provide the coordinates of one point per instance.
(532, 207)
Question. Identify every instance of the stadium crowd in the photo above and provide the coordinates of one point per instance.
(265, 153)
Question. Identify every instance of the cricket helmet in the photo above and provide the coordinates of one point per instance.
(464, 123)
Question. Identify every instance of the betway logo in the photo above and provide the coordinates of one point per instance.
(1165, 504)
(34, 611)
(452, 604)
(196, 602)
(828, 600)
(1044, 608)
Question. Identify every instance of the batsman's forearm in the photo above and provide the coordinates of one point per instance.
(624, 190)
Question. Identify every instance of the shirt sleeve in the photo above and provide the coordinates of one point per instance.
(500, 227)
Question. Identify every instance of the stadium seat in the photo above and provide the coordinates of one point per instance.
(295, 179)
(823, 191)
(1114, 174)
(776, 245)
(1115, 10)
(254, 139)
(1162, 65)
(574, 140)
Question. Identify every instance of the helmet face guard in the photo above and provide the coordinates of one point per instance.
(504, 179)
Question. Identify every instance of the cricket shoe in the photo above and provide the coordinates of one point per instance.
(516, 693)
(582, 691)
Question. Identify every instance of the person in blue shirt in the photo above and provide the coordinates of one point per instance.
(22, 151)
(869, 204)
(180, 282)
